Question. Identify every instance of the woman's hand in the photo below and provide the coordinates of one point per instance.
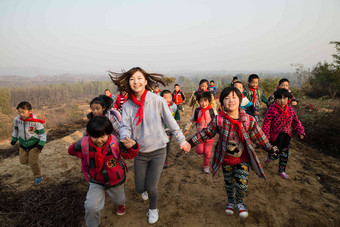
(128, 143)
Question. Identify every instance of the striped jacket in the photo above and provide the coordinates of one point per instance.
(253, 133)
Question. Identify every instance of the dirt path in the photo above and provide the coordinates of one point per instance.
(187, 197)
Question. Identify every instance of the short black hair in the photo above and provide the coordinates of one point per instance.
(198, 94)
(235, 78)
(156, 85)
(204, 81)
(238, 82)
(212, 81)
(226, 91)
(99, 126)
(283, 80)
(176, 85)
(24, 106)
(204, 95)
(252, 77)
(165, 92)
(282, 92)
(107, 90)
(104, 101)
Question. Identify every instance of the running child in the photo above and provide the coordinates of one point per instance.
(102, 154)
(246, 104)
(143, 117)
(178, 97)
(277, 125)
(283, 83)
(255, 93)
(203, 86)
(166, 94)
(202, 116)
(121, 99)
(32, 138)
(234, 151)
(212, 88)
(101, 106)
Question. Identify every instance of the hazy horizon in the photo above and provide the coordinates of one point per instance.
(79, 37)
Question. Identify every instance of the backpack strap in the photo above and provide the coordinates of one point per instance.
(197, 110)
(212, 113)
(85, 161)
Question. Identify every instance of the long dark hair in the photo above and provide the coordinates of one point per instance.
(121, 80)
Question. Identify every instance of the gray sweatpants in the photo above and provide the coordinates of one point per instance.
(148, 169)
(95, 200)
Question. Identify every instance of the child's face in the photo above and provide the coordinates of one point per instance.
(177, 88)
(282, 102)
(124, 93)
(212, 84)
(168, 98)
(107, 93)
(239, 87)
(284, 85)
(204, 103)
(100, 141)
(24, 113)
(156, 88)
(231, 102)
(137, 82)
(254, 83)
(204, 86)
(97, 109)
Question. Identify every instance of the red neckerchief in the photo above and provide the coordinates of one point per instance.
(243, 95)
(30, 118)
(99, 158)
(201, 89)
(175, 95)
(284, 111)
(254, 94)
(157, 92)
(140, 103)
(203, 114)
(233, 122)
(170, 105)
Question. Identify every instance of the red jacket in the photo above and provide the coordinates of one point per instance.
(112, 170)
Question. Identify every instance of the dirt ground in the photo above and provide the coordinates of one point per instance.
(187, 196)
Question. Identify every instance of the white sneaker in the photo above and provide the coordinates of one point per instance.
(206, 169)
(153, 216)
(229, 210)
(242, 210)
(145, 195)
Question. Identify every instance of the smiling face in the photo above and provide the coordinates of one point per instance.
(254, 83)
(204, 86)
(97, 109)
(284, 85)
(137, 83)
(168, 98)
(231, 102)
(239, 86)
(282, 102)
(24, 113)
(204, 103)
(100, 141)
(177, 88)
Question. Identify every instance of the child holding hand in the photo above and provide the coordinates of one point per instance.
(278, 122)
(103, 165)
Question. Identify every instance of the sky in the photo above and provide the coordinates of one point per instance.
(201, 35)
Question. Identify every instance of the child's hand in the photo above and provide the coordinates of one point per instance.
(257, 113)
(186, 147)
(294, 103)
(128, 143)
(186, 132)
(302, 137)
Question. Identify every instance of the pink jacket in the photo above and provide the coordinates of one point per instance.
(274, 123)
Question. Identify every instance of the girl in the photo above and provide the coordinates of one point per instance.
(121, 99)
(234, 150)
(203, 86)
(245, 101)
(202, 116)
(144, 115)
(101, 106)
(101, 154)
(277, 125)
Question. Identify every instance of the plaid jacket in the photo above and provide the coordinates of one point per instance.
(253, 133)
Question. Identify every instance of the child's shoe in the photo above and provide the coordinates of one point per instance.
(37, 180)
(206, 169)
(121, 209)
(153, 216)
(145, 195)
(242, 210)
(166, 165)
(229, 210)
(266, 159)
(284, 175)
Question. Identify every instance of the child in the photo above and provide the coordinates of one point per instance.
(178, 97)
(144, 115)
(233, 81)
(203, 86)
(32, 138)
(246, 104)
(110, 95)
(121, 99)
(283, 83)
(254, 93)
(166, 94)
(102, 159)
(202, 116)
(101, 106)
(277, 125)
(212, 88)
(157, 91)
(234, 150)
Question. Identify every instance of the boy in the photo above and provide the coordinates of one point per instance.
(157, 91)
(178, 97)
(166, 94)
(212, 87)
(235, 79)
(254, 93)
(32, 138)
(284, 83)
